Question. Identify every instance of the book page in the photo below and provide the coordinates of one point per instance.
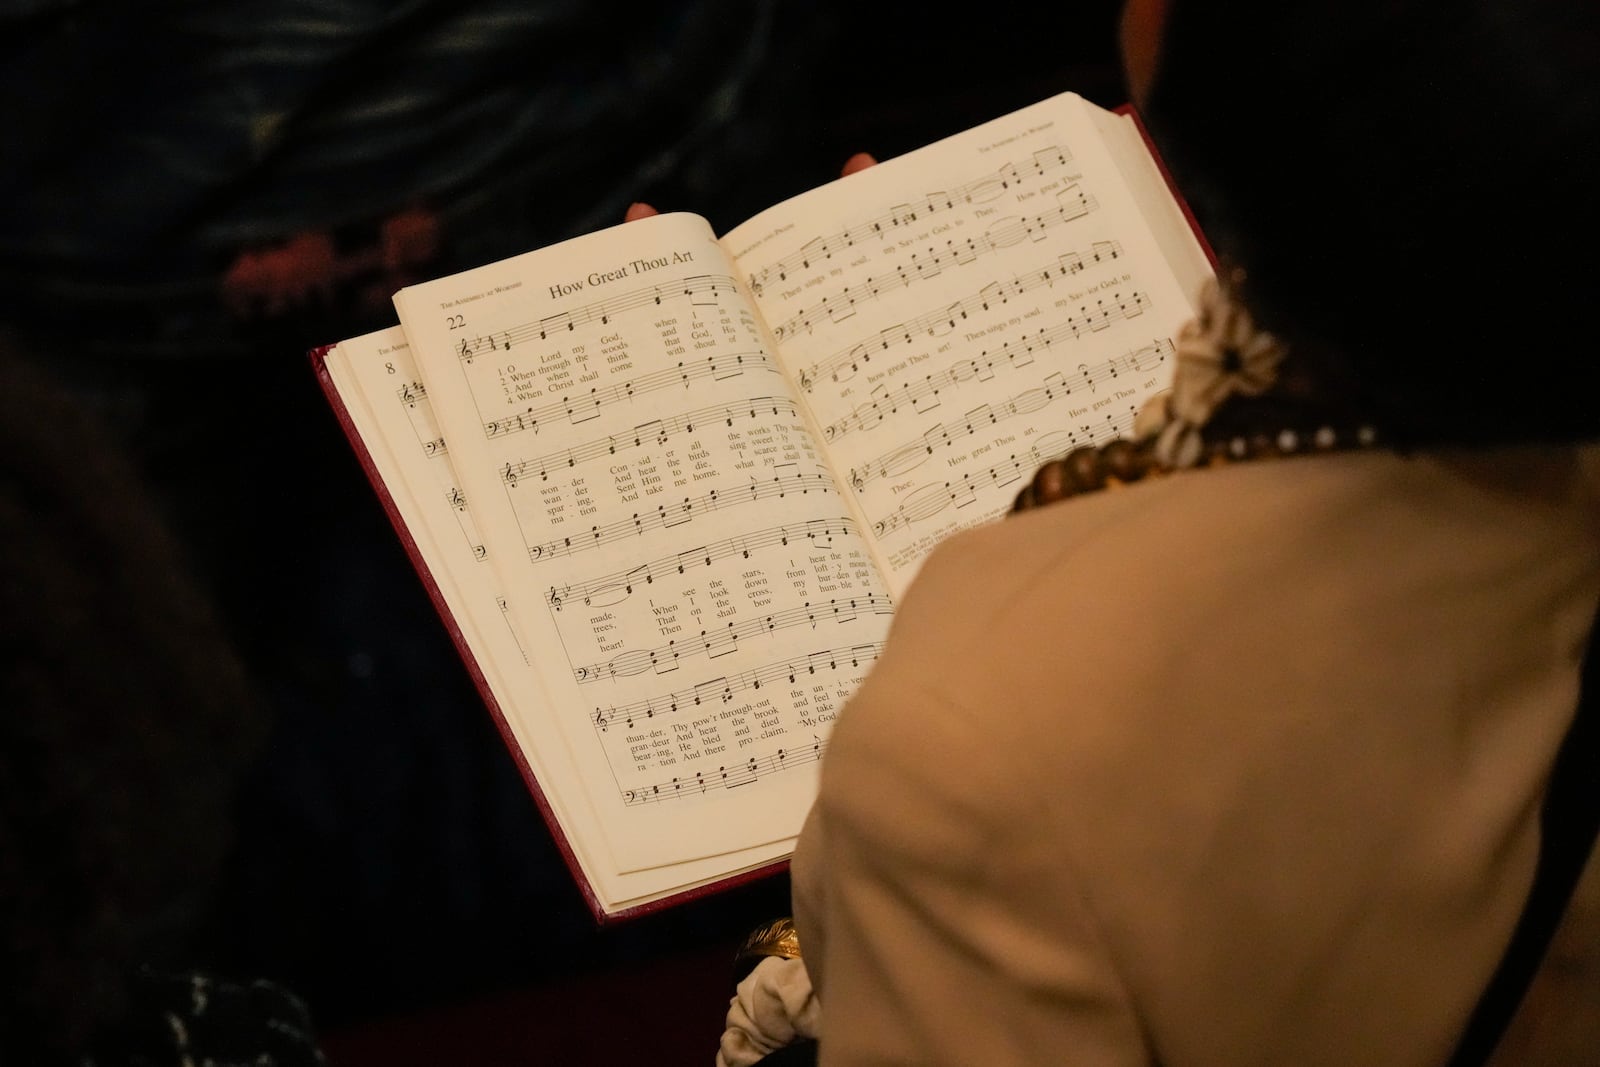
(385, 398)
(958, 316)
(689, 586)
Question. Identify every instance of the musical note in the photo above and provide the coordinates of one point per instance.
(845, 364)
(717, 367)
(979, 190)
(667, 515)
(700, 290)
(725, 776)
(907, 457)
(929, 500)
(841, 305)
(613, 588)
(713, 643)
(582, 410)
(721, 690)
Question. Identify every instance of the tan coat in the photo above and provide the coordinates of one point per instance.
(1234, 767)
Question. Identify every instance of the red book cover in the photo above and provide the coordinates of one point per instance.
(1166, 175)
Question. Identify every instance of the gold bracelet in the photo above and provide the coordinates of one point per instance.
(776, 938)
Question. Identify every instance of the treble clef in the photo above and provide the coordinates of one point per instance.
(805, 380)
(555, 598)
(856, 480)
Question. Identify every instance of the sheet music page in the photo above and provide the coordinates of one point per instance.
(957, 316)
(685, 576)
(386, 399)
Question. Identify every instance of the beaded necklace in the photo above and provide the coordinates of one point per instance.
(1223, 361)
(1124, 461)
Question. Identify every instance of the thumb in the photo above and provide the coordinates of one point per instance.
(859, 161)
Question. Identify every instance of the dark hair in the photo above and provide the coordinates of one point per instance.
(1410, 189)
(125, 722)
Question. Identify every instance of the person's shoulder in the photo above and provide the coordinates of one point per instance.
(1106, 560)
(1095, 620)
(1113, 602)
(1207, 539)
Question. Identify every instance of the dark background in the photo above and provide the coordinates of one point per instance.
(388, 859)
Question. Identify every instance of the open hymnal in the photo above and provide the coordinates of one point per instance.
(666, 486)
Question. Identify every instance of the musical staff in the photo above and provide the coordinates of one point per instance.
(582, 407)
(1057, 385)
(929, 500)
(701, 289)
(669, 657)
(469, 528)
(410, 395)
(666, 516)
(657, 430)
(505, 617)
(978, 191)
(843, 365)
(616, 587)
(727, 776)
(722, 690)
(837, 307)
(923, 396)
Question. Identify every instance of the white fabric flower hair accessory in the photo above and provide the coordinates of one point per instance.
(1220, 354)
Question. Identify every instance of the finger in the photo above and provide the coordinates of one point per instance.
(859, 161)
(639, 211)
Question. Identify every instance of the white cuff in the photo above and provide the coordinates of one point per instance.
(772, 1007)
